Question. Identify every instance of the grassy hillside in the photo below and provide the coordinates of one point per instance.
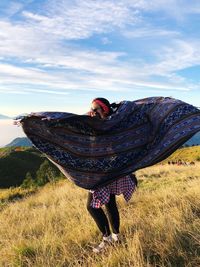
(16, 164)
(160, 226)
(187, 154)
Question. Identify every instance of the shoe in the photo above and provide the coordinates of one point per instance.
(115, 237)
(107, 240)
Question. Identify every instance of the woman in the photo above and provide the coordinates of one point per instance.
(100, 151)
(126, 185)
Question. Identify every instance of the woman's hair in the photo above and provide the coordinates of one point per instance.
(105, 102)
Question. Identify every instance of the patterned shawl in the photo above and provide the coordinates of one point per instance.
(93, 153)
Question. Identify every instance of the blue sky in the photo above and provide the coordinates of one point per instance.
(59, 55)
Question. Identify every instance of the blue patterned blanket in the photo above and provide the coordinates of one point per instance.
(93, 153)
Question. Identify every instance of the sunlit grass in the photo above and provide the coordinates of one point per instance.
(187, 154)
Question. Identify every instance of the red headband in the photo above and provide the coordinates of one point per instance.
(103, 106)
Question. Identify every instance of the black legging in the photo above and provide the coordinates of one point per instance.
(100, 218)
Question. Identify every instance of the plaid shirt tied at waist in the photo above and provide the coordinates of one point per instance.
(125, 185)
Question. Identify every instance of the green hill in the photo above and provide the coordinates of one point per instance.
(17, 163)
(14, 166)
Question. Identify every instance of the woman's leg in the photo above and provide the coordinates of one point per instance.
(99, 217)
(113, 214)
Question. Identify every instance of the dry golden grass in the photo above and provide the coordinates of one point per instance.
(187, 154)
(160, 226)
(13, 194)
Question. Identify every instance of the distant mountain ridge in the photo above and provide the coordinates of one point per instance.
(3, 117)
(20, 141)
(194, 141)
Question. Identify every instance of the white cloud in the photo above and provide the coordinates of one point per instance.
(18, 75)
(179, 55)
(21, 41)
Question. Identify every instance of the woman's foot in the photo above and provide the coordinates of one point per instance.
(115, 237)
(107, 240)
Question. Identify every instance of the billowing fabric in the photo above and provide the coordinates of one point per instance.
(93, 153)
(124, 185)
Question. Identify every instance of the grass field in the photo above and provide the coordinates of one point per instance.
(160, 226)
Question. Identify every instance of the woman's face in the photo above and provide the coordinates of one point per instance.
(97, 111)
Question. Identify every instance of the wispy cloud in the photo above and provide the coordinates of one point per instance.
(150, 32)
(21, 40)
(81, 19)
(172, 8)
(11, 9)
(180, 55)
(54, 92)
